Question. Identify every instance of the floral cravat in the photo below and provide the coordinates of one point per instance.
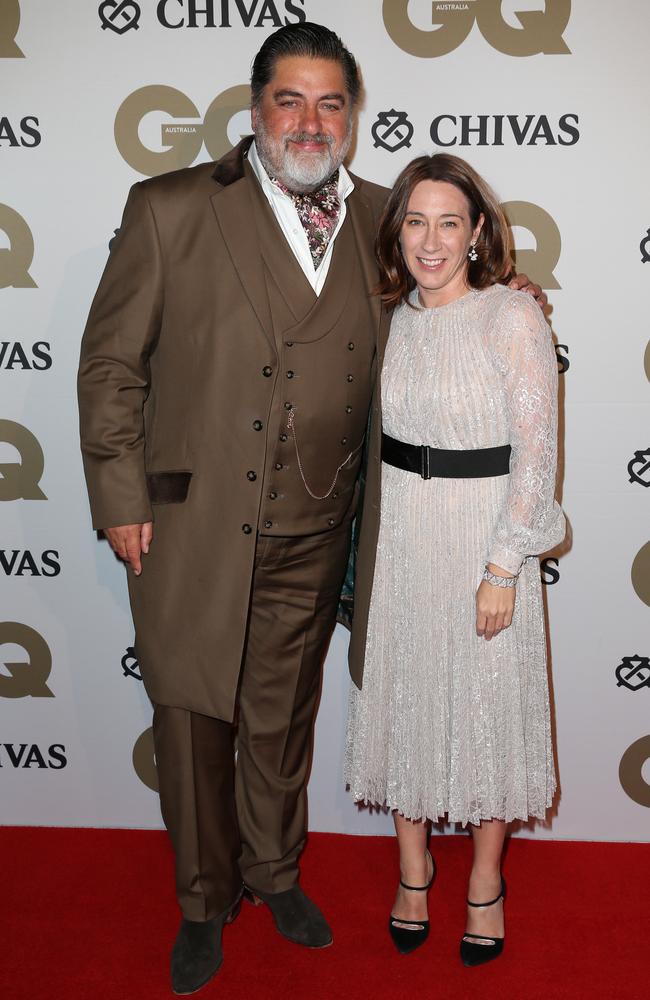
(318, 212)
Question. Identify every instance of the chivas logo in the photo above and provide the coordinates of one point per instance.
(182, 139)
(633, 672)
(540, 31)
(496, 130)
(130, 665)
(19, 480)
(21, 562)
(639, 468)
(392, 130)
(119, 16)
(643, 247)
(14, 356)
(563, 363)
(24, 134)
(30, 755)
(550, 571)
(26, 677)
(219, 13)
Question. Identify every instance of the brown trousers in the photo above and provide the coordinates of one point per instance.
(230, 821)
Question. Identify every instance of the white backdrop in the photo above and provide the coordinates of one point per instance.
(68, 727)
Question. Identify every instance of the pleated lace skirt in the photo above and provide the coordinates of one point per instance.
(448, 724)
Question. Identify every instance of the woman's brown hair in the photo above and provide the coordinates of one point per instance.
(493, 246)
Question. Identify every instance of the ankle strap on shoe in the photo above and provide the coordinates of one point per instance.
(492, 901)
(422, 888)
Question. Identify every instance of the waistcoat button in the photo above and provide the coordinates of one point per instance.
(251, 475)
(257, 425)
(273, 495)
(288, 406)
(283, 437)
(344, 440)
(350, 378)
(331, 522)
(278, 465)
(246, 528)
(348, 409)
(289, 343)
(268, 524)
(267, 371)
(350, 346)
(289, 374)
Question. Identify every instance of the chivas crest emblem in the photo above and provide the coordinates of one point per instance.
(639, 468)
(643, 247)
(130, 665)
(633, 672)
(119, 16)
(392, 130)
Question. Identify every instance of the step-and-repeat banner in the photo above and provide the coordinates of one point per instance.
(548, 101)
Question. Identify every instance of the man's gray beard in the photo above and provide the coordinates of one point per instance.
(299, 172)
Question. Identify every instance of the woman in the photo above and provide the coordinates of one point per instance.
(453, 717)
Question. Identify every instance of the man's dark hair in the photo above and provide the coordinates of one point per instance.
(305, 39)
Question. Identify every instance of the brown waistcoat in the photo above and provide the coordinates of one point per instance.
(316, 424)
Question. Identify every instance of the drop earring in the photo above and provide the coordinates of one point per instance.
(472, 254)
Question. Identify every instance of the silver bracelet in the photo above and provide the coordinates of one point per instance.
(499, 581)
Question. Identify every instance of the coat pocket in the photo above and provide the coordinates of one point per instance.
(168, 487)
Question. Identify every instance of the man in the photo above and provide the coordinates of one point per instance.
(225, 381)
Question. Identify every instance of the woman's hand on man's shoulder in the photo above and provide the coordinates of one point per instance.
(522, 283)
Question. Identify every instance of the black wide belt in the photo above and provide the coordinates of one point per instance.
(443, 463)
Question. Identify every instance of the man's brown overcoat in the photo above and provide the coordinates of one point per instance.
(171, 395)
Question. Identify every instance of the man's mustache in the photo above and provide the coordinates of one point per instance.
(309, 137)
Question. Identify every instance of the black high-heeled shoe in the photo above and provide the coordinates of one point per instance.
(478, 954)
(405, 939)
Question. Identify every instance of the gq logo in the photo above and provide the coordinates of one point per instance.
(540, 31)
(144, 760)
(9, 24)
(641, 574)
(183, 139)
(19, 480)
(630, 771)
(25, 678)
(543, 260)
(15, 262)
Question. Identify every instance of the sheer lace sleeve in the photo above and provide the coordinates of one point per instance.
(531, 521)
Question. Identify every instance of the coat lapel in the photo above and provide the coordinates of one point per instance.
(278, 256)
(233, 209)
(364, 225)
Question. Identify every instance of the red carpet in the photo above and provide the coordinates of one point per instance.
(91, 913)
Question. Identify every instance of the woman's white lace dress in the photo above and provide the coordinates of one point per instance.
(447, 722)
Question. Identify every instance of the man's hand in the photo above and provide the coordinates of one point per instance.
(129, 541)
(521, 283)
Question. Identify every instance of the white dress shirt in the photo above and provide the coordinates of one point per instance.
(290, 224)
